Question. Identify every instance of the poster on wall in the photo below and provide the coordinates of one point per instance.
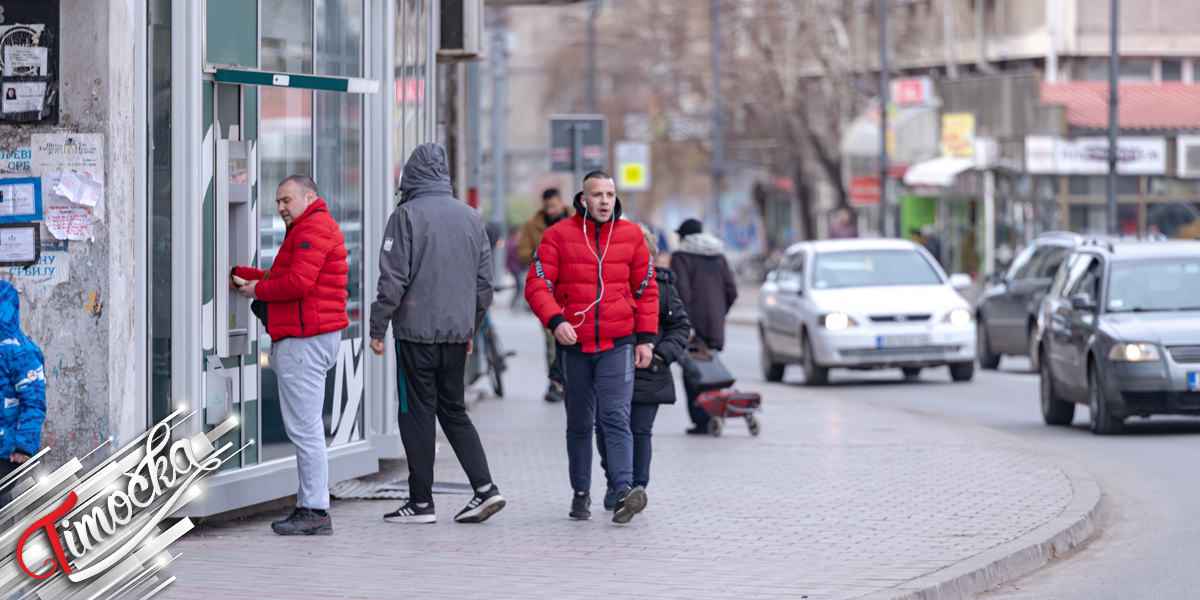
(29, 39)
(20, 199)
(72, 170)
(20, 244)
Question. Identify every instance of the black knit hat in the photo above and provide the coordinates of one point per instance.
(689, 227)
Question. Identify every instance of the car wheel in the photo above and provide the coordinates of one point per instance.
(983, 347)
(814, 374)
(772, 370)
(1103, 421)
(1031, 343)
(1055, 410)
(962, 371)
(911, 372)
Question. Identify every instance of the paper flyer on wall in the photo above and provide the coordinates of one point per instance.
(58, 153)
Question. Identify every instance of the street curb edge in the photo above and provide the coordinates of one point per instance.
(1075, 525)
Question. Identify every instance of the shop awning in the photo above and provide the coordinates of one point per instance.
(937, 172)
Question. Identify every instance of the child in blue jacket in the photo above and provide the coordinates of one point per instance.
(22, 385)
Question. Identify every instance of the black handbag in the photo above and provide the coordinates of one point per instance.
(703, 370)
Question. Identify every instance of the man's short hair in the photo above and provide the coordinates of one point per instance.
(597, 174)
(304, 181)
(549, 193)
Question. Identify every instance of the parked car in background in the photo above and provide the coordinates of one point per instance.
(1119, 330)
(1006, 313)
(864, 304)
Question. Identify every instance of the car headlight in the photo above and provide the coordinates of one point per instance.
(837, 321)
(1141, 352)
(958, 316)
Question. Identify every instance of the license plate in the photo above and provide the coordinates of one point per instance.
(1194, 381)
(900, 341)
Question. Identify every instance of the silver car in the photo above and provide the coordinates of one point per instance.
(864, 304)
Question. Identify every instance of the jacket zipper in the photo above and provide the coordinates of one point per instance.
(300, 303)
(599, 284)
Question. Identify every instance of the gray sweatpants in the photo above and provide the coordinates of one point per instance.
(300, 366)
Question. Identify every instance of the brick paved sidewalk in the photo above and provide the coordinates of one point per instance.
(833, 500)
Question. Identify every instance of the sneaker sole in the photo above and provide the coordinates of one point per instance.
(587, 517)
(635, 502)
(322, 531)
(413, 520)
(481, 513)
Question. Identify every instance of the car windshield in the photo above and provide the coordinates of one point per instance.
(861, 268)
(1159, 284)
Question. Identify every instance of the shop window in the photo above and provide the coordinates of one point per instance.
(287, 29)
(1097, 185)
(1179, 220)
(1092, 219)
(1172, 69)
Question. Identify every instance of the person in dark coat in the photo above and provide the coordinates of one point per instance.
(653, 385)
(708, 290)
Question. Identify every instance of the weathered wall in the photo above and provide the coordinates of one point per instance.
(85, 325)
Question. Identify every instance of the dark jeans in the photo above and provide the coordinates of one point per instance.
(599, 388)
(431, 385)
(699, 417)
(641, 422)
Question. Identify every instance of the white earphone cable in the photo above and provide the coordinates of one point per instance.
(582, 314)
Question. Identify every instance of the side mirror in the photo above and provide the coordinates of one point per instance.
(789, 286)
(960, 281)
(1083, 302)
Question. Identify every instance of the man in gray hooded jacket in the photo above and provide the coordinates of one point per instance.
(435, 286)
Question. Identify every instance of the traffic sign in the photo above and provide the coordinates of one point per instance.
(585, 132)
(632, 161)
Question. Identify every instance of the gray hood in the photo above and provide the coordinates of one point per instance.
(427, 173)
(704, 244)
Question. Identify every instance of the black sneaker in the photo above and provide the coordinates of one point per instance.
(629, 503)
(698, 430)
(409, 512)
(295, 511)
(554, 393)
(304, 521)
(580, 507)
(482, 506)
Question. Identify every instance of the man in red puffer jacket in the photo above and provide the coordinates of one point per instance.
(592, 285)
(305, 296)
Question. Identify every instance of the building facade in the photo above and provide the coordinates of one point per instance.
(201, 108)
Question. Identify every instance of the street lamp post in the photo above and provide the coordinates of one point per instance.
(1113, 123)
(718, 159)
(884, 87)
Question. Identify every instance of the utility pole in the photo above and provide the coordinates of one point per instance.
(591, 50)
(718, 166)
(499, 127)
(949, 39)
(1113, 124)
(884, 94)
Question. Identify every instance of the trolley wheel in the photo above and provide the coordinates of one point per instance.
(752, 423)
(715, 425)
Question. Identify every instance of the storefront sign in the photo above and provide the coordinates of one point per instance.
(958, 135)
(912, 90)
(864, 190)
(1089, 155)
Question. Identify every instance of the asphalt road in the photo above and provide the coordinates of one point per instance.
(1149, 475)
